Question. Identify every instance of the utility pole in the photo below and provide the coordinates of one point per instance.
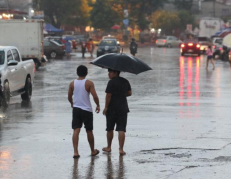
(214, 12)
(199, 4)
(7, 2)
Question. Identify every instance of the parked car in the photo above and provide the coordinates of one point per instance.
(168, 41)
(217, 41)
(53, 49)
(107, 46)
(17, 76)
(56, 39)
(204, 42)
(190, 46)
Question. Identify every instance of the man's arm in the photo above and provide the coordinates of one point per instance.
(107, 101)
(129, 93)
(70, 93)
(95, 97)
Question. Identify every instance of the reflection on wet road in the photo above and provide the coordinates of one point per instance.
(178, 127)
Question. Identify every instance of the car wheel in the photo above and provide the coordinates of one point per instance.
(169, 46)
(53, 54)
(28, 90)
(6, 95)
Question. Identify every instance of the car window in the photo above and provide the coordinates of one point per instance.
(16, 55)
(46, 43)
(54, 42)
(219, 41)
(162, 38)
(9, 56)
(108, 43)
(2, 57)
(202, 39)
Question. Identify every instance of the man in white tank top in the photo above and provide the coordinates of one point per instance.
(78, 95)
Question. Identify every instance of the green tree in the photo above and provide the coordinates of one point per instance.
(183, 4)
(71, 12)
(166, 21)
(185, 18)
(140, 10)
(104, 14)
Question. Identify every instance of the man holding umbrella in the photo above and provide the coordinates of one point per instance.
(116, 108)
(118, 89)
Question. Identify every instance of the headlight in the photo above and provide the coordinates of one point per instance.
(99, 50)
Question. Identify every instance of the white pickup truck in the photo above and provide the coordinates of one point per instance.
(16, 75)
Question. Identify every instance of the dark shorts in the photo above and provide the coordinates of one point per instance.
(209, 57)
(79, 117)
(120, 120)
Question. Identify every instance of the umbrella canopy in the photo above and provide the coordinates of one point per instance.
(227, 41)
(115, 27)
(121, 62)
(51, 28)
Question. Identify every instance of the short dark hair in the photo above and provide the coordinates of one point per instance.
(116, 71)
(81, 71)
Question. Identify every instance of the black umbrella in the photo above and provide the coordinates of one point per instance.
(121, 62)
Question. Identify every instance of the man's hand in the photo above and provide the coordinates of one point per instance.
(72, 105)
(97, 110)
(105, 111)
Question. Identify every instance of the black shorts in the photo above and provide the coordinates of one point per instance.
(79, 117)
(119, 119)
(209, 57)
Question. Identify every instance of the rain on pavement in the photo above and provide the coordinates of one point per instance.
(178, 127)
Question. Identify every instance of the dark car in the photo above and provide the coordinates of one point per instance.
(190, 46)
(52, 49)
(204, 43)
(55, 38)
(108, 46)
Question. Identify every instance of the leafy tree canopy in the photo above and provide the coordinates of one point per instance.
(57, 12)
(165, 20)
(185, 18)
(183, 4)
(104, 14)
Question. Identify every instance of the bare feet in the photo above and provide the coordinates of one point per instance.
(122, 152)
(106, 149)
(95, 152)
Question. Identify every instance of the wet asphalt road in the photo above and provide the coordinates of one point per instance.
(179, 125)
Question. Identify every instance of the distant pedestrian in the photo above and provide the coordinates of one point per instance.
(78, 96)
(209, 53)
(116, 108)
(90, 46)
(83, 48)
(68, 45)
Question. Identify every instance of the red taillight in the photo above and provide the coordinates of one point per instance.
(190, 44)
(156, 41)
(63, 48)
(182, 45)
(220, 48)
(198, 45)
(214, 46)
(164, 41)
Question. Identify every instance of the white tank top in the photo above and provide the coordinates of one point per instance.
(81, 97)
